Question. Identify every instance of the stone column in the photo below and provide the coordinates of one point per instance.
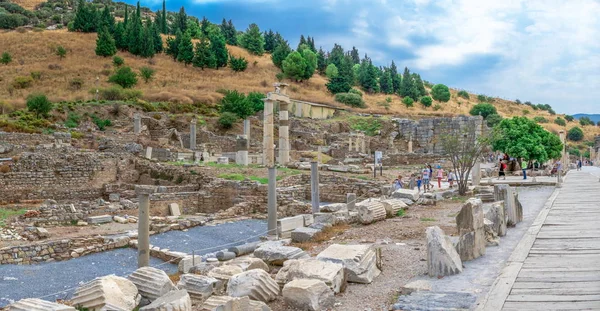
(193, 134)
(143, 193)
(319, 154)
(314, 186)
(247, 127)
(350, 142)
(268, 147)
(410, 145)
(284, 134)
(476, 173)
(148, 152)
(137, 123)
(351, 201)
(272, 202)
(369, 145)
(357, 143)
(241, 148)
(363, 148)
(564, 158)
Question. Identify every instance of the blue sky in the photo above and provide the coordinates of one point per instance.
(543, 51)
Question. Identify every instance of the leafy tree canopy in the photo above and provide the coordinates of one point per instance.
(521, 137)
(483, 109)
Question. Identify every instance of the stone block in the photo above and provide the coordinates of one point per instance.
(224, 273)
(469, 221)
(415, 286)
(225, 255)
(491, 238)
(114, 197)
(34, 304)
(103, 219)
(107, 293)
(392, 206)
(151, 282)
(308, 219)
(351, 202)
(304, 234)
(495, 213)
(442, 258)
(256, 284)
(187, 262)
(174, 209)
(505, 193)
(227, 303)
(199, 287)
(277, 255)
(288, 224)
(308, 294)
(329, 272)
(330, 208)
(41, 232)
(411, 194)
(176, 300)
(360, 262)
(244, 249)
(121, 220)
(249, 263)
(324, 218)
(370, 211)
(223, 160)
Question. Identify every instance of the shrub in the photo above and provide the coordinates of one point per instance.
(585, 121)
(227, 119)
(483, 109)
(75, 83)
(426, 101)
(408, 102)
(101, 123)
(36, 75)
(525, 112)
(369, 125)
(518, 102)
(540, 119)
(236, 103)
(124, 77)
(61, 51)
(72, 120)
(280, 76)
(575, 134)
(481, 97)
(569, 118)
(118, 93)
(463, 94)
(147, 73)
(440, 93)
(118, 61)
(575, 152)
(350, 99)
(39, 104)
(437, 107)
(22, 82)
(6, 58)
(388, 99)
(255, 100)
(237, 63)
(560, 121)
(493, 119)
(355, 91)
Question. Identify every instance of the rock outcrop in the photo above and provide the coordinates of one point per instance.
(442, 258)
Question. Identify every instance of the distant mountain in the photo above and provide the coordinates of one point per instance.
(593, 117)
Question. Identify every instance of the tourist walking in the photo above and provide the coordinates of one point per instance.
(426, 173)
(524, 168)
(430, 175)
(397, 183)
(579, 165)
(440, 175)
(501, 168)
(419, 182)
(451, 178)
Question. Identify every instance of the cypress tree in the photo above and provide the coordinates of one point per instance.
(219, 50)
(336, 56)
(270, 41)
(105, 44)
(157, 39)
(181, 20)
(163, 23)
(204, 26)
(406, 86)
(421, 91)
(203, 56)
(321, 61)
(185, 49)
(311, 44)
(232, 39)
(85, 17)
(173, 44)
(119, 36)
(302, 41)
(147, 40)
(126, 18)
(367, 76)
(107, 20)
(385, 82)
(342, 83)
(135, 32)
(354, 55)
(395, 77)
(281, 52)
(158, 19)
(253, 40)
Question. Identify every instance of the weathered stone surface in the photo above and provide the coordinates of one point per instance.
(114, 197)
(227, 303)
(199, 287)
(392, 206)
(469, 221)
(107, 293)
(187, 262)
(225, 255)
(406, 201)
(519, 208)
(121, 220)
(324, 218)
(176, 300)
(256, 284)
(277, 255)
(249, 263)
(308, 294)
(411, 194)
(360, 261)
(351, 201)
(308, 219)
(495, 213)
(151, 282)
(370, 211)
(442, 258)
(329, 272)
(99, 219)
(42, 232)
(174, 209)
(34, 304)
(415, 286)
(304, 234)
(330, 208)
(244, 249)
(491, 238)
(224, 273)
(426, 300)
(286, 225)
(505, 193)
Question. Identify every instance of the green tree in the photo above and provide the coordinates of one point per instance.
(227, 119)
(336, 56)
(61, 51)
(483, 109)
(205, 26)
(440, 93)
(575, 134)
(280, 53)
(147, 73)
(105, 44)
(294, 66)
(185, 50)
(119, 36)
(343, 82)
(311, 44)
(355, 56)
(134, 33)
(419, 84)
(322, 62)
(255, 100)
(235, 102)
(39, 104)
(493, 119)
(118, 61)
(301, 42)
(270, 41)
(253, 40)
(181, 20)
(156, 38)
(396, 80)
(583, 121)
(85, 17)
(521, 137)
(426, 101)
(173, 45)
(310, 58)
(126, 17)
(386, 84)
(464, 94)
(331, 71)
(569, 118)
(407, 84)
(229, 32)
(367, 76)
(124, 76)
(560, 121)
(147, 41)
(219, 49)
(237, 64)
(163, 24)
(106, 20)
(6, 58)
(203, 56)
(407, 101)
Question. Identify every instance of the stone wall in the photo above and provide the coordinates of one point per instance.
(412, 159)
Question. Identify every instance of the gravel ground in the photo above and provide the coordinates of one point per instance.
(24, 281)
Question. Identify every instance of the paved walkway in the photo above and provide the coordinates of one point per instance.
(556, 266)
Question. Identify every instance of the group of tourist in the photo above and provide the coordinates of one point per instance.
(423, 179)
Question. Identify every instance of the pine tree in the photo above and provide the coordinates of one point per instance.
(253, 40)
(385, 82)
(181, 20)
(270, 41)
(321, 61)
(135, 33)
(301, 42)
(185, 49)
(294, 66)
(395, 77)
(407, 85)
(203, 56)
(204, 26)
(342, 83)
(229, 32)
(119, 36)
(156, 38)
(126, 18)
(219, 49)
(173, 44)
(354, 55)
(85, 17)
(419, 84)
(336, 56)
(280, 53)
(367, 75)
(158, 19)
(148, 49)
(107, 20)
(310, 59)
(311, 44)
(105, 44)
(163, 24)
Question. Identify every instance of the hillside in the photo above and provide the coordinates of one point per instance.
(593, 117)
(34, 51)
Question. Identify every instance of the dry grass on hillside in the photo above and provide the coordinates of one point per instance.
(28, 4)
(175, 82)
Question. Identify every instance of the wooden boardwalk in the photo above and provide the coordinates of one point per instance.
(556, 266)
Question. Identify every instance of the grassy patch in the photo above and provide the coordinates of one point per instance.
(9, 213)
(369, 125)
(460, 199)
(361, 177)
(240, 177)
(427, 219)
(401, 213)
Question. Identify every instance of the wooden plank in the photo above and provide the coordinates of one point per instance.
(535, 306)
(555, 291)
(564, 279)
(527, 273)
(501, 288)
(553, 298)
(550, 285)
